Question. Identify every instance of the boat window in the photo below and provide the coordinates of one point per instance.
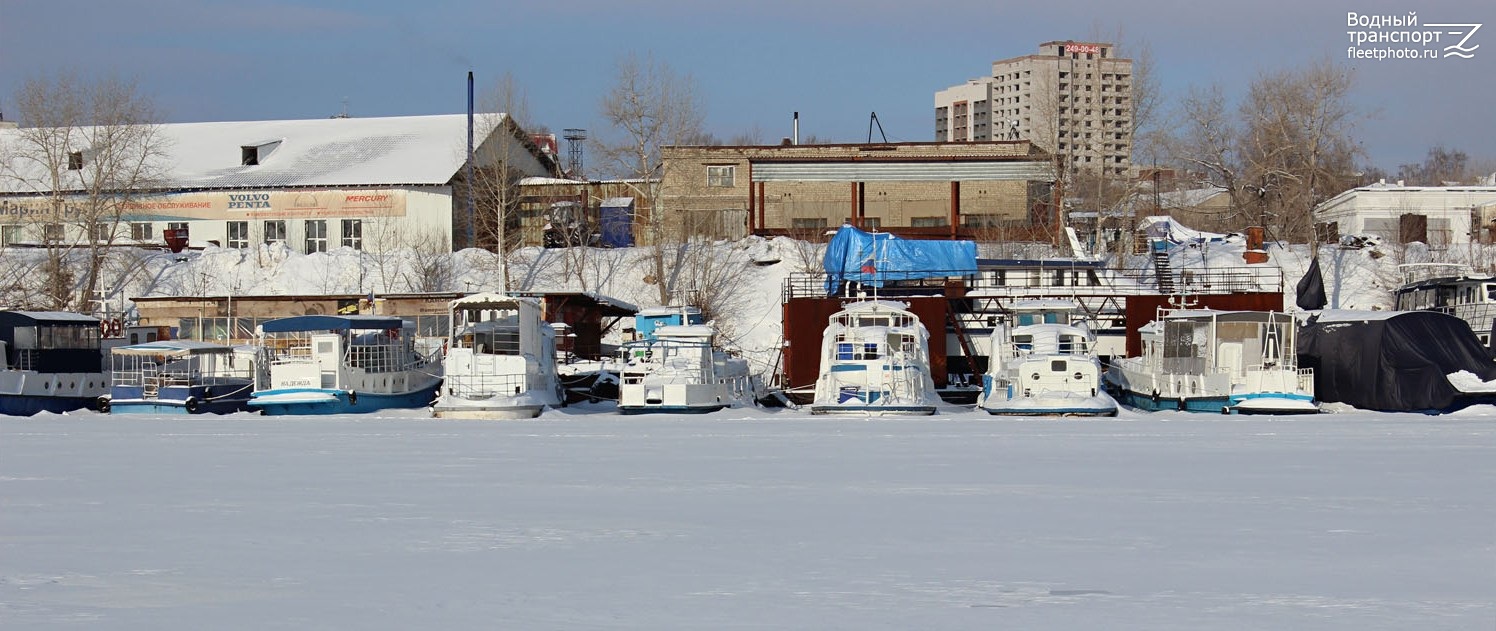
(1051, 317)
(1023, 342)
(1490, 292)
(1027, 319)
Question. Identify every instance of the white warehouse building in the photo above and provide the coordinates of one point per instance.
(366, 183)
(1436, 215)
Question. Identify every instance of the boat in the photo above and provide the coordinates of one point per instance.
(1202, 360)
(1043, 363)
(178, 377)
(500, 360)
(875, 362)
(677, 367)
(341, 364)
(1450, 288)
(53, 362)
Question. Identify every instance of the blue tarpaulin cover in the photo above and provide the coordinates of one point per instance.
(871, 258)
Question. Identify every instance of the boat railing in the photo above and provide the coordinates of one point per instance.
(487, 385)
(1418, 272)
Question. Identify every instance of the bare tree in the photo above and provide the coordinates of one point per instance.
(500, 164)
(651, 107)
(91, 149)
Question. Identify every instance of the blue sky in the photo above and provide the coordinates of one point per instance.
(834, 61)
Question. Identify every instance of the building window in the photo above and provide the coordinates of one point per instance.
(808, 223)
(75, 161)
(353, 233)
(316, 235)
(101, 232)
(10, 233)
(720, 176)
(52, 232)
(275, 231)
(238, 234)
(141, 231)
(981, 221)
(872, 223)
(928, 222)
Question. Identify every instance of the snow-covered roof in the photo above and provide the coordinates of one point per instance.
(416, 150)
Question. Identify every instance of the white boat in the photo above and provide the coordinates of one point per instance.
(178, 377)
(874, 362)
(337, 364)
(1216, 361)
(500, 360)
(1043, 363)
(678, 368)
(53, 362)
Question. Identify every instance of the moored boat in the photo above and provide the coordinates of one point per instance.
(341, 364)
(500, 360)
(1043, 363)
(678, 368)
(875, 362)
(53, 362)
(178, 377)
(1230, 362)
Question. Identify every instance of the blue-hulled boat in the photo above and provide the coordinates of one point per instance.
(53, 362)
(178, 377)
(337, 364)
(1229, 362)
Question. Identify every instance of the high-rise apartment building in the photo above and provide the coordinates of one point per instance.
(1073, 99)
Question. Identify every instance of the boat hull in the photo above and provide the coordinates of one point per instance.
(319, 401)
(1256, 404)
(492, 408)
(28, 405)
(873, 410)
(201, 399)
(669, 409)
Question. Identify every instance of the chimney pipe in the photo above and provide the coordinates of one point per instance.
(797, 128)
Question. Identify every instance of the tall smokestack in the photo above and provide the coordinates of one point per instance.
(797, 128)
(472, 207)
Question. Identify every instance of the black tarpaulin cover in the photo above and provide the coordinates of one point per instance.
(1311, 289)
(1393, 361)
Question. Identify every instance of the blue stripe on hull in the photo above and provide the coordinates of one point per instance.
(26, 405)
(360, 403)
(668, 409)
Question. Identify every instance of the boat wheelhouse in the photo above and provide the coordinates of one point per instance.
(874, 362)
(1216, 361)
(341, 364)
(178, 377)
(53, 362)
(500, 360)
(679, 368)
(1449, 288)
(1043, 363)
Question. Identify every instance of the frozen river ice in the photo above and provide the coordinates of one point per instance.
(748, 520)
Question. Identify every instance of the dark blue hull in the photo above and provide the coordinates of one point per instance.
(201, 399)
(26, 405)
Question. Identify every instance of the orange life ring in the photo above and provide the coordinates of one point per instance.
(103, 328)
(116, 328)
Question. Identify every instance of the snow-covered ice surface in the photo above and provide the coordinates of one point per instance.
(749, 519)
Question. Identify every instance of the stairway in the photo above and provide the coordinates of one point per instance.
(1161, 266)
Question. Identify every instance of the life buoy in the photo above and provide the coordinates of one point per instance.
(103, 328)
(192, 405)
(103, 404)
(116, 328)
